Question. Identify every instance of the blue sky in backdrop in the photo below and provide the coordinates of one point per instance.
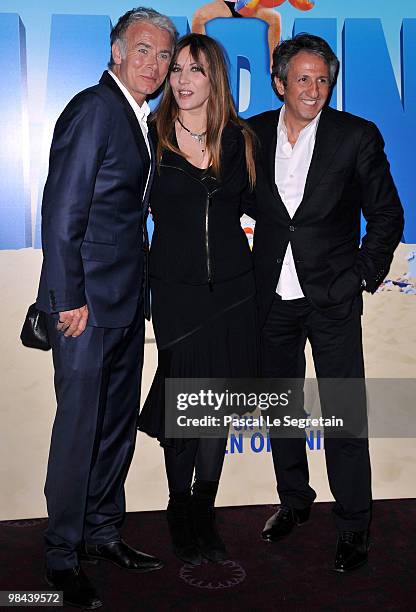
(36, 17)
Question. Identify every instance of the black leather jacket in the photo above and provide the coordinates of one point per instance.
(198, 238)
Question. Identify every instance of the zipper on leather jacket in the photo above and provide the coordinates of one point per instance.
(207, 205)
(209, 275)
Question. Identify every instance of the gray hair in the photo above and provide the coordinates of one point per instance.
(287, 49)
(140, 13)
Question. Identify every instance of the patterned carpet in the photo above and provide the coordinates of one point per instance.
(294, 574)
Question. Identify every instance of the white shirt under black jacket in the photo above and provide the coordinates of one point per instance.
(141, 112)
(291, 170)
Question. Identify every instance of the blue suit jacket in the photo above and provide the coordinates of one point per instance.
(94, 235)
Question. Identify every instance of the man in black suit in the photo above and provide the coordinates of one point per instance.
(94, 288)
(318, 169)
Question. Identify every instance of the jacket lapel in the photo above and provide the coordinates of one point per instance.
(328, 140)
(152, 172)
(108, 80)
(269, 145)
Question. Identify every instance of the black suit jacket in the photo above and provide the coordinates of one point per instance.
(94, 236)
(349, 174)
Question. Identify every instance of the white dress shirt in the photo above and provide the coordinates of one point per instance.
(141, 112)
(291, 169)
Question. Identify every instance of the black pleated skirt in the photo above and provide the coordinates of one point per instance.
(200, 333)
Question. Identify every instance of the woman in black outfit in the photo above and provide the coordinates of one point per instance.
(203, 305)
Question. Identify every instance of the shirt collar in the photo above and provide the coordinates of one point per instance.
(143, 111)
(281, 126)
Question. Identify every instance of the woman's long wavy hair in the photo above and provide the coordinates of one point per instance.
(220, 109)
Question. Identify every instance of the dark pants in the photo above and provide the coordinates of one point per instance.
(337, 353)
(204, 455)
(97, 385)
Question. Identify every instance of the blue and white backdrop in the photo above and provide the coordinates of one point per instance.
(51, 50)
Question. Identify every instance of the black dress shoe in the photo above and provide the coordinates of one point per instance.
(122, 555)
(352, 550)
(77, 589)
(282, 522)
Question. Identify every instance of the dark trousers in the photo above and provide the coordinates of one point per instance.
(337, 353)
(97, 386)
(205, 456)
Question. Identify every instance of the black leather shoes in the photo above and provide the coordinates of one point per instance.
(352, 550)
(121, 555)
(77, 589)
(282, 522)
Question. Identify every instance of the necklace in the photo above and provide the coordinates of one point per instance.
(199, 137)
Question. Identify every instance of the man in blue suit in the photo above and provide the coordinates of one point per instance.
(94, 288)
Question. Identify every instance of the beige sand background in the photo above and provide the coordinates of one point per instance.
(27, 407)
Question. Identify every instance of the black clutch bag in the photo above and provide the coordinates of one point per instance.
(34, 332)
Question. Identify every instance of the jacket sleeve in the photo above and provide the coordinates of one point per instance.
(381, 208)
(78, 148)
(248, 204)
